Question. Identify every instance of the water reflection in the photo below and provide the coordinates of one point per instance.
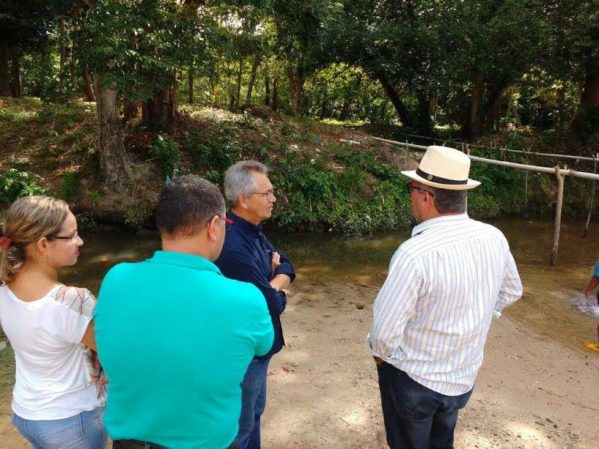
(548, 291)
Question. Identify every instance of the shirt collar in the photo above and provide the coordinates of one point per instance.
(244, 225)
(183, 259)
(441, 219)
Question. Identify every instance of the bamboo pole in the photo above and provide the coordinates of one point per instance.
(558, 214)
(537, 168)
(553, 155)
(591, 201)
(560, 174)
(526, 188)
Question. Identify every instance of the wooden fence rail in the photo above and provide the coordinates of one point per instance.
(559, 173)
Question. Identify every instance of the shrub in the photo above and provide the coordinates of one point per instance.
(167, 152)
(15, 184)
(217, 151)
(69, 190)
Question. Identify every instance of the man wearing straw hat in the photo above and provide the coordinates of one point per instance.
(432, 315)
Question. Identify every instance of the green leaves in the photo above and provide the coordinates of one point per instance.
(15, 184)
(138, 46)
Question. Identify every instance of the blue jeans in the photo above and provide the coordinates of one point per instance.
(415, 416)
(253, 402)
(83, 431)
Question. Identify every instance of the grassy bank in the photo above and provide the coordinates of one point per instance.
(324, 183)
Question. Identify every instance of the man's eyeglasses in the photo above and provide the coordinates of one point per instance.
(70, 238)
(268, 193)
(410, 187)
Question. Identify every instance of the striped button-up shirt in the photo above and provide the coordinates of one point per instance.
(432, 315)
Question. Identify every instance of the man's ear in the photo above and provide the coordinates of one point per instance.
(242, 201)
(211, 228)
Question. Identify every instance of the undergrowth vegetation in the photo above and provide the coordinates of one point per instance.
(323, 183)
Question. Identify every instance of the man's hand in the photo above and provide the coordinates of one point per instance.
(275, 262)
(280, 282)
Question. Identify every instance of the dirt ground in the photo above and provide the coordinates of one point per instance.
(531, 392)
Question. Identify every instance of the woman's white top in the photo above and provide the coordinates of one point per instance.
(52, 376)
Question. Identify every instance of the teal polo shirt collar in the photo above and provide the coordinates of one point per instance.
(184, 260)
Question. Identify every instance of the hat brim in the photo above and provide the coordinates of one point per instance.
(470, 184)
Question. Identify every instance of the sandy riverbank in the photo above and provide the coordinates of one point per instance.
(531, 393)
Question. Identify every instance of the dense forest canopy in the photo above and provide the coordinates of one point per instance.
(468, 66)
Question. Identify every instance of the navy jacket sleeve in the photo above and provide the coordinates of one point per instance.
(241, 266)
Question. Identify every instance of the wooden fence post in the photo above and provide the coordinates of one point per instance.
(591, 201)
(558, 214)
(526, 190)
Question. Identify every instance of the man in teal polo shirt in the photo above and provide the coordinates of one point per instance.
(175, 336)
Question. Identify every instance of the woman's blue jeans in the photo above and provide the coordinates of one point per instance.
(415, 416)
(83, 431)
(253, 402)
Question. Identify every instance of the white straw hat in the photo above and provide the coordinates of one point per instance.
(443, 168)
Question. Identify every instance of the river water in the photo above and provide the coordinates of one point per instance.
(548, 291)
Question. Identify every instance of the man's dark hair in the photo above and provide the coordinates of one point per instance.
(450, 201)
(187, 204)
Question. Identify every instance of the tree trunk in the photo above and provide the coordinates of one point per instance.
(496, 98)
(255, 64)
(275, 94)
(74, 47)
(587, 120)
(400, 108)
(62, 45)
(190, 76)
(89, 87)
(344, 114)
(323, 106)
(72, 61)
(266, 90)
(296, 86)
(130, 110)
(16, 72)
(159, 111)
(473, 127)
(590, 92)
(383, 115)
(4, 84)
(424, 124)
(238, 89)
(114, 162)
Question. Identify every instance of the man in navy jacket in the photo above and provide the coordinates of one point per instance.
(248, 256)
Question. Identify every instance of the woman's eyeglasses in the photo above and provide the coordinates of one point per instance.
(71, 237)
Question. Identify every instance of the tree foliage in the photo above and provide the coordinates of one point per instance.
(469, 65)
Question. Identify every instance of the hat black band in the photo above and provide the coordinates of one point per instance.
(438, 179)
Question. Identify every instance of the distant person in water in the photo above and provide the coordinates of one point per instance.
(57, 400)
(593, 283)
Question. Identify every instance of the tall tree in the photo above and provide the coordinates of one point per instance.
(575, 56)
(303, 28)
(498, 43)
(139, 45)
(24, 26)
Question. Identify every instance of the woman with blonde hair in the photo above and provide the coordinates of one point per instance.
(56, 404)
